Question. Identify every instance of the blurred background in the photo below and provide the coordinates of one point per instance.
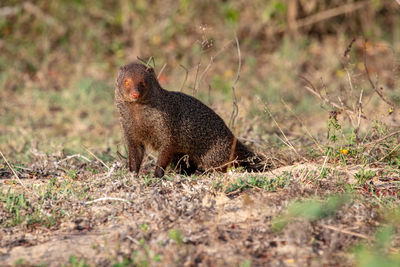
(59, 59)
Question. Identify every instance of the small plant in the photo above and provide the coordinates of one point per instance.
(379, 254)
(176, 236)
(267, 184)
(74, 262)
(364, 175)
(16, 205)
(310, 210)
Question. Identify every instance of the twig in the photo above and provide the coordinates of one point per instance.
(112, 169)
(106, 198)
(151, 59)
(13, 171)
(336, 229)
(73, 156)
(212, 58)
(195, 78)
(302, 124)
(330, 13)
(391, 151)
(133, 240)
(375, 87)
(186, 75)
(359, 109)
(235, 110)
(382, 139)
(91, 153)
(280, 129)
(347, 51)
(311, 88)
(351, 88)
(162, 69)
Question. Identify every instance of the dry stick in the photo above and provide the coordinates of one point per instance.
(347, 113)
(142, 60)
(184, 81)
(330, 13)
(13, 171)
(375, 87)
(73, 156)
(382, 139)
(311, 88)
(348, 48)
(151, 59)
(106, 198)
(351, 88)
(162, 69)
(195, 78)
(391, 151)
(91, 153)
(331, 227)
(235, 110)
(280, 129)
(359, 109)
(302, 124)
(212, 58)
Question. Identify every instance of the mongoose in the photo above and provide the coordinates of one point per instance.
(174, 124)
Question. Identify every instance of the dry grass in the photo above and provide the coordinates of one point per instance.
(106, 217)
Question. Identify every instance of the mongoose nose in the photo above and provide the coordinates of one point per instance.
(135, 95)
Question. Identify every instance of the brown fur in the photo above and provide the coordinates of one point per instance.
(174, 124)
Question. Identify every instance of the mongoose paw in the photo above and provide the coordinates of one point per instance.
(159, 172)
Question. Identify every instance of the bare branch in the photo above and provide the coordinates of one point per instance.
(186, 75)
(374, 86)
(91, 153)
(162, 69)
(235, 110)
(13, 171)
(105, 199)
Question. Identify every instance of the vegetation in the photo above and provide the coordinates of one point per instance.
(312, 85)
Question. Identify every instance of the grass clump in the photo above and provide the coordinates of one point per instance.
(259, 182)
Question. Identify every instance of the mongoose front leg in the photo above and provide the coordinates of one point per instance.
(135, 156)
(164, 158)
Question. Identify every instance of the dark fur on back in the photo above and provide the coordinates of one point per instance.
(175, 125)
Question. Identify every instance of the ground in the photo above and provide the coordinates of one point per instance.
(102, 215)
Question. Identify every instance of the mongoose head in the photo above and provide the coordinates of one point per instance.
(135, 81)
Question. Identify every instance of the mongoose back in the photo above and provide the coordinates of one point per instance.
(174, 124)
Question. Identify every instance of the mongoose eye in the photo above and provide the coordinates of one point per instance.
(127, 82)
